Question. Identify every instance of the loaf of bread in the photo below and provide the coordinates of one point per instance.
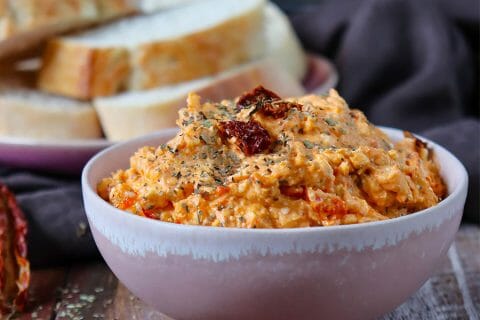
(198, 39)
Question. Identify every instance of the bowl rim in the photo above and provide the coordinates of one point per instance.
(460, 189)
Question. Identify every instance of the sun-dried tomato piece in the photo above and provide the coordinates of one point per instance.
(257, 97)
(296, 192)
(278, 109)
(14, 266)
(266, 102)
(250, 136)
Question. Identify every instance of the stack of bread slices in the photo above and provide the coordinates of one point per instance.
(122, 68)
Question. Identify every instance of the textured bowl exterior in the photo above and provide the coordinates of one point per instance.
(341, 272)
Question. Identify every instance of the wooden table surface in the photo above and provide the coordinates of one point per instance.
(91, 291)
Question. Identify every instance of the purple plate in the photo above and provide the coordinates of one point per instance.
(321, 75)
(66, 157)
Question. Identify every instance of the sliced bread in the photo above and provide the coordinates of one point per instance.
(137, 113)
(171, 46)
(132, 114)
(282, 44)
(24, 24)
(28, 113)
(149, 6)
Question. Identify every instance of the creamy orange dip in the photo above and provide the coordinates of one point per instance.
(263, 162)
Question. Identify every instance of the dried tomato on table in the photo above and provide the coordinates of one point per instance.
(14, 265)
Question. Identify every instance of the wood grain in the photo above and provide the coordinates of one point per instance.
(128, 306)
(88, 292)
(467, 251)
(45, 289)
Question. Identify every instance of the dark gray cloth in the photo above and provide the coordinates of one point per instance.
(461, 137)
(58, 230)
(407, 63)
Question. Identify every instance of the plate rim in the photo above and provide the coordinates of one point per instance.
(73, 143)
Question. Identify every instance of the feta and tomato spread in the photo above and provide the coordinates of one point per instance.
(260, 161)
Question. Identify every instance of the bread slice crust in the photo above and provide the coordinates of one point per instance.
(30, 114)
(26, 24)
(76, 69)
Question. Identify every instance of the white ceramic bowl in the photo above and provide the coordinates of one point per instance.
(341, 272)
